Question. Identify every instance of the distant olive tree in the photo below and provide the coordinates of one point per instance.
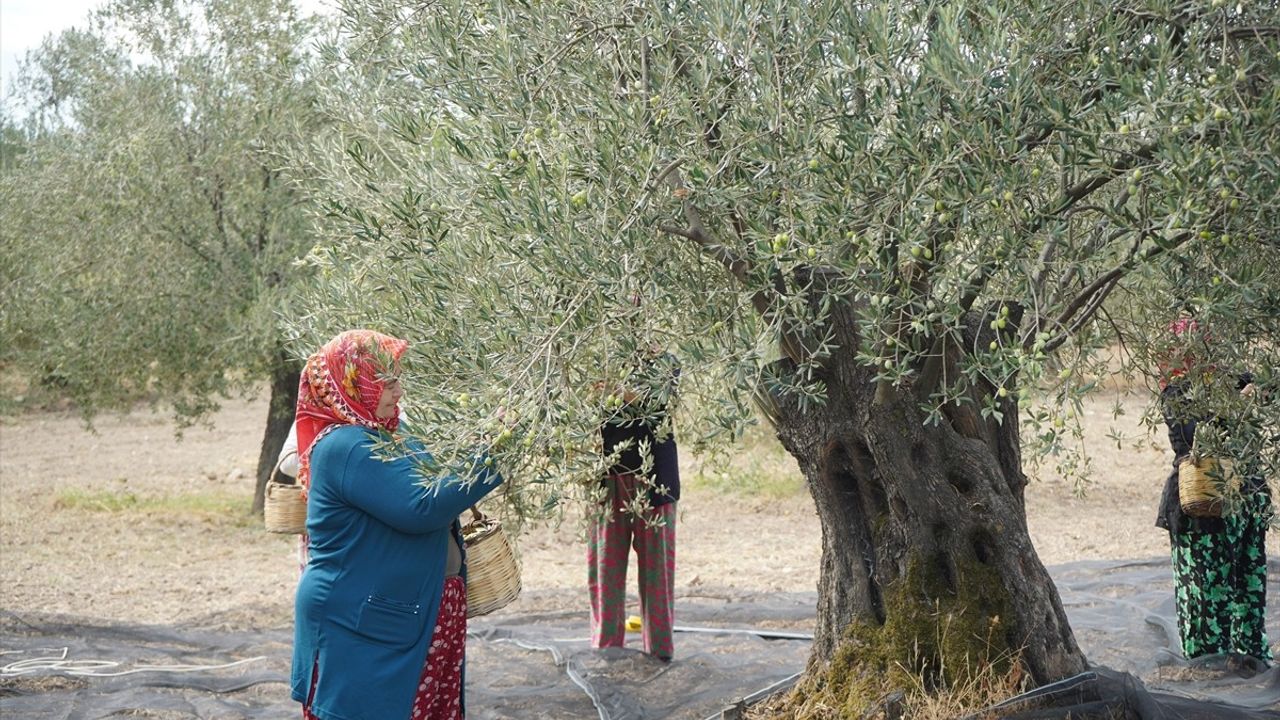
(12, 142)
(149, 232)
(881, 223)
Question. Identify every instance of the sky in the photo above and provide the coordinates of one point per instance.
(24, 23)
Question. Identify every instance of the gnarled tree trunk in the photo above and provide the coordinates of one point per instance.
(280, 411)
(927, 565)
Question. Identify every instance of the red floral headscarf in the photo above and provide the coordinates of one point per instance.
(341, 385)
(1187, 342)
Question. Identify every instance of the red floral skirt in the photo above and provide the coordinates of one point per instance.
(439, 695)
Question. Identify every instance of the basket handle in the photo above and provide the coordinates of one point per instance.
(1194, 453)
(277, 474)
(476, 515)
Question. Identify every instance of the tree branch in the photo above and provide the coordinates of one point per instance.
(738, 267)
(1084, 189)
(264, 212)
(1091, 298)
(1254, 31)
(584, 31)
(186, 239)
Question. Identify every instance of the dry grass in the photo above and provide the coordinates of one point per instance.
(757, 467)
(218, 507)
(980, 688)
(35, 684)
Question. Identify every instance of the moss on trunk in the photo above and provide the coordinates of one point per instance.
(938, 633)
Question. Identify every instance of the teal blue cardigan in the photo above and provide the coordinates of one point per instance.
(366, 605)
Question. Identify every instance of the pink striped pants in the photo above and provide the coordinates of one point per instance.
(613, 532)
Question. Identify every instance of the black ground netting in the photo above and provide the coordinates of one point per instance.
(542, 665)
(538, 665)
(97, 671)
(1123, 617)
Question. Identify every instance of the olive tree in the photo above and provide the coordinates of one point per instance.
(149, 230)
(881, 224)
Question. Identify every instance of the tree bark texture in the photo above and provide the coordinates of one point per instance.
(924, 534)
(280, 415)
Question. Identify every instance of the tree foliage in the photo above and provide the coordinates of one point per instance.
(989, 192)
(149, 231)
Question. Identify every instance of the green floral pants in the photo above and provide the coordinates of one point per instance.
(1220, 584)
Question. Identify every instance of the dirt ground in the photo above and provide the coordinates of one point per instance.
(128, 524)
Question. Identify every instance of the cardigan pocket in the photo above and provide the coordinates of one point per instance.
(391, 622)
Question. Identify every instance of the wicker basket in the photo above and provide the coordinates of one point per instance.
(285, 509)
(1200, 485)
(493, 576)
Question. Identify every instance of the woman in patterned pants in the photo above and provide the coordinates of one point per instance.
(641, 490)
(613, 532)
(1219, 564)
(1220, 584)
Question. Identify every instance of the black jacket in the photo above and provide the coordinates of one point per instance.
(641, 422)
(1182, 433)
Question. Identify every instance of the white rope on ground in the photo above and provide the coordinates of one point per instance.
(577, 678)
(24, 652)
(766, 634)
(100, 668)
